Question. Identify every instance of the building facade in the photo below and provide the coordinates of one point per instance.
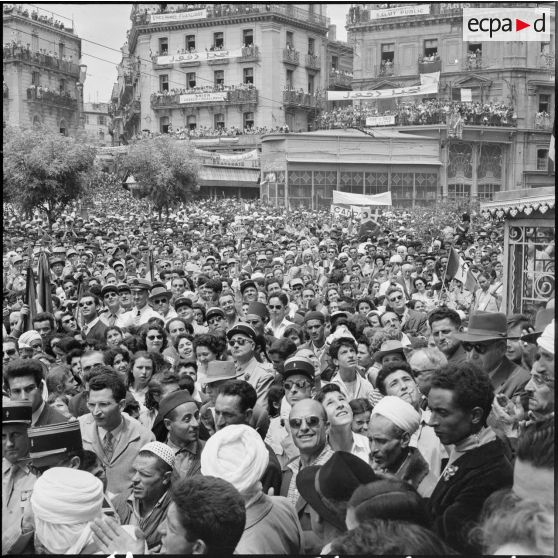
(394, 44)
(221, 66)
(96, 123)
(43, 81)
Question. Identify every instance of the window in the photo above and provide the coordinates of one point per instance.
(486, 191)
(63, 127)
(101, 135)
(248, 37)
(35, 41)
(218, 40)
(36, 121)
(290, 78)
(310, 84)
(191, 79)
(191, 122)
(86, 119)
(163, 45)
(164, 124)
(311, 45)
(544, 103)
(430, 47)
(101, 120)
(190, 42)
(219, 120)
(545, 48)
(334, 62)
(474, 48)
(290, 39)
(62, 86)
(542, 159)
(459, 190)
(248, 119)
(35, 78)
(248, 74)
(60, 50)
(164, 82)
(219, 77)
(388, 52)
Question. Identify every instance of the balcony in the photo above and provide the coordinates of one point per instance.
(543, 121)
(473, 62)
(131, 111)
(214, 97)
(429, 64)
(313, 62)
(386, 69)
(47, 97)
(300, 100)
(291, 56)
(338, 78)
(547, 62)
(250, 54)
(18, 53)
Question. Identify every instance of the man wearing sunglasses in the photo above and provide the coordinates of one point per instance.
(10, 350)
(485, 342)
(93, 328)
(412, 322)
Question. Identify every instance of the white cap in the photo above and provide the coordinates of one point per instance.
(161, 450)
(546, 340)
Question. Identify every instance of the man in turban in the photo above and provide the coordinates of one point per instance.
(238, 455)
(392, 423)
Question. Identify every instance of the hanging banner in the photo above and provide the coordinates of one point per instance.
(426, 89)
(380, 120)
(360, 211)
(178, 16)
(200, 56)
(359, 199)
(340, 211)
(203, 97)
(432, 77)
(466, 95)
(400, 11)
(248, 156)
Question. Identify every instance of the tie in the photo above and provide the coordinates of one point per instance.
(112, 320)
(108, 445)
(137, 318)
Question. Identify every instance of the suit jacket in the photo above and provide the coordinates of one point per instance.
(97, 333)
(416, 323)
(509, 378)
(49, 415)
(408, 290)
(119, 469)
(456, 503)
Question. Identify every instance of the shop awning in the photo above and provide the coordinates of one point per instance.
(229, 177)
(513, 202)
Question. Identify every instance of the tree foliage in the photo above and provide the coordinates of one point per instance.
(166, 168)
(44, 170)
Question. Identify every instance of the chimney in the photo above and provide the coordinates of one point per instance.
(332, 33)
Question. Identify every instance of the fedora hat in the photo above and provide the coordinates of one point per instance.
(484, 326)
(389, 347)
(160, 291)
(542, 319)
(218, 370)
(335, 480)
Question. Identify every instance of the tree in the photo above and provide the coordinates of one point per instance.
(44, 170)
(166, 168)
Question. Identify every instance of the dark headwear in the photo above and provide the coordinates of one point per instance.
(314, 315)
(484, 326)
(182, 301)
(247, 283)
(242, 329)
(109, 289)
(258, 309)
(297, 365)
(54, 438)
(16, 412)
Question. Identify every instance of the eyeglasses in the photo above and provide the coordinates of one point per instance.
(87, 303)
(311, 422)
(241, 341)
(153, 337)
(10, 352)
(302, 384)
(542, 380)
(480, 348)
(396, 298)
(275, 307)
(159, 301)
(214, 320)
(297, 287)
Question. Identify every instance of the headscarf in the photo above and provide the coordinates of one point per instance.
(236, 454)
(398, 411)
(546, 340)
(64, 502)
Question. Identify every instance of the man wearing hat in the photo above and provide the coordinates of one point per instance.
(125, 294)
(485, 342)
(178, 425)
(17, 478)
(215, 318)
(141, 312)
(159, 298)
(314, 323)
(111, 299)
(249, 290)
(242, 342)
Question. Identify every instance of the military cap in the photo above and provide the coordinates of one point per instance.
(54, 438)
(16, 412)
(137, 284)
(299, 365)
(242, 329)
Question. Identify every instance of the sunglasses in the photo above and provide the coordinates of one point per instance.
(275, 307)
(214, 320)
(396, 298)
(302, 384)
(153, 337)
(478, 347)
(311, 422)
(82, 304)
(10, 352)
(241, 341)
(159, 301)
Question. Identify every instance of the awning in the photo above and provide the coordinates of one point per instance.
(229, 177)
(513, 202)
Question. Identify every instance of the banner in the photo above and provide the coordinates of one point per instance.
(380, 120)
(361, 211)
(426, 89)
(203, 97)
(179, 16)
(466, 95)
(201, 56)
(400, 11)
(432, 77)
(248, 156)
(340, 211)
(359, 199)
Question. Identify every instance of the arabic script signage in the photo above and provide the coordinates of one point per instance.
(426, 89)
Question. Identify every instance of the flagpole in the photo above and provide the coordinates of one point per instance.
(444, 277)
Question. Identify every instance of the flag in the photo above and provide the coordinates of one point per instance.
(458, 269)
(368, 227)
(150, 275)
(44, 292)
(552, 150)
(80, 292)
(30, 299)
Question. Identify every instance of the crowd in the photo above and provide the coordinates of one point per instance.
(424, 112)
(34, 15)
(241, 378)
(203, 89)
(50, 95)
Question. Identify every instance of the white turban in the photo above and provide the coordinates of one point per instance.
(398, 411)
(236, 454)
(64, 501)
(546, 340)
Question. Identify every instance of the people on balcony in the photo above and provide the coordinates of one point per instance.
(543, 120)
(34, 15)
(39, 92)
(203, 89)
(434, 57)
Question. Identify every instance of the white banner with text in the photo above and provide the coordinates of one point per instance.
(426, 89)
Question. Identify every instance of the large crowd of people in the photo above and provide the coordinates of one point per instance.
(239, 378)
(424, 112)
(35, 16)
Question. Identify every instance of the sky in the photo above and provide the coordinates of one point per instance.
(102, 28)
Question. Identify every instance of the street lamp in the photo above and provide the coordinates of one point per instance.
(79, 86)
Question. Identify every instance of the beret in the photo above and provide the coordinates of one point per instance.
(314, 315)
